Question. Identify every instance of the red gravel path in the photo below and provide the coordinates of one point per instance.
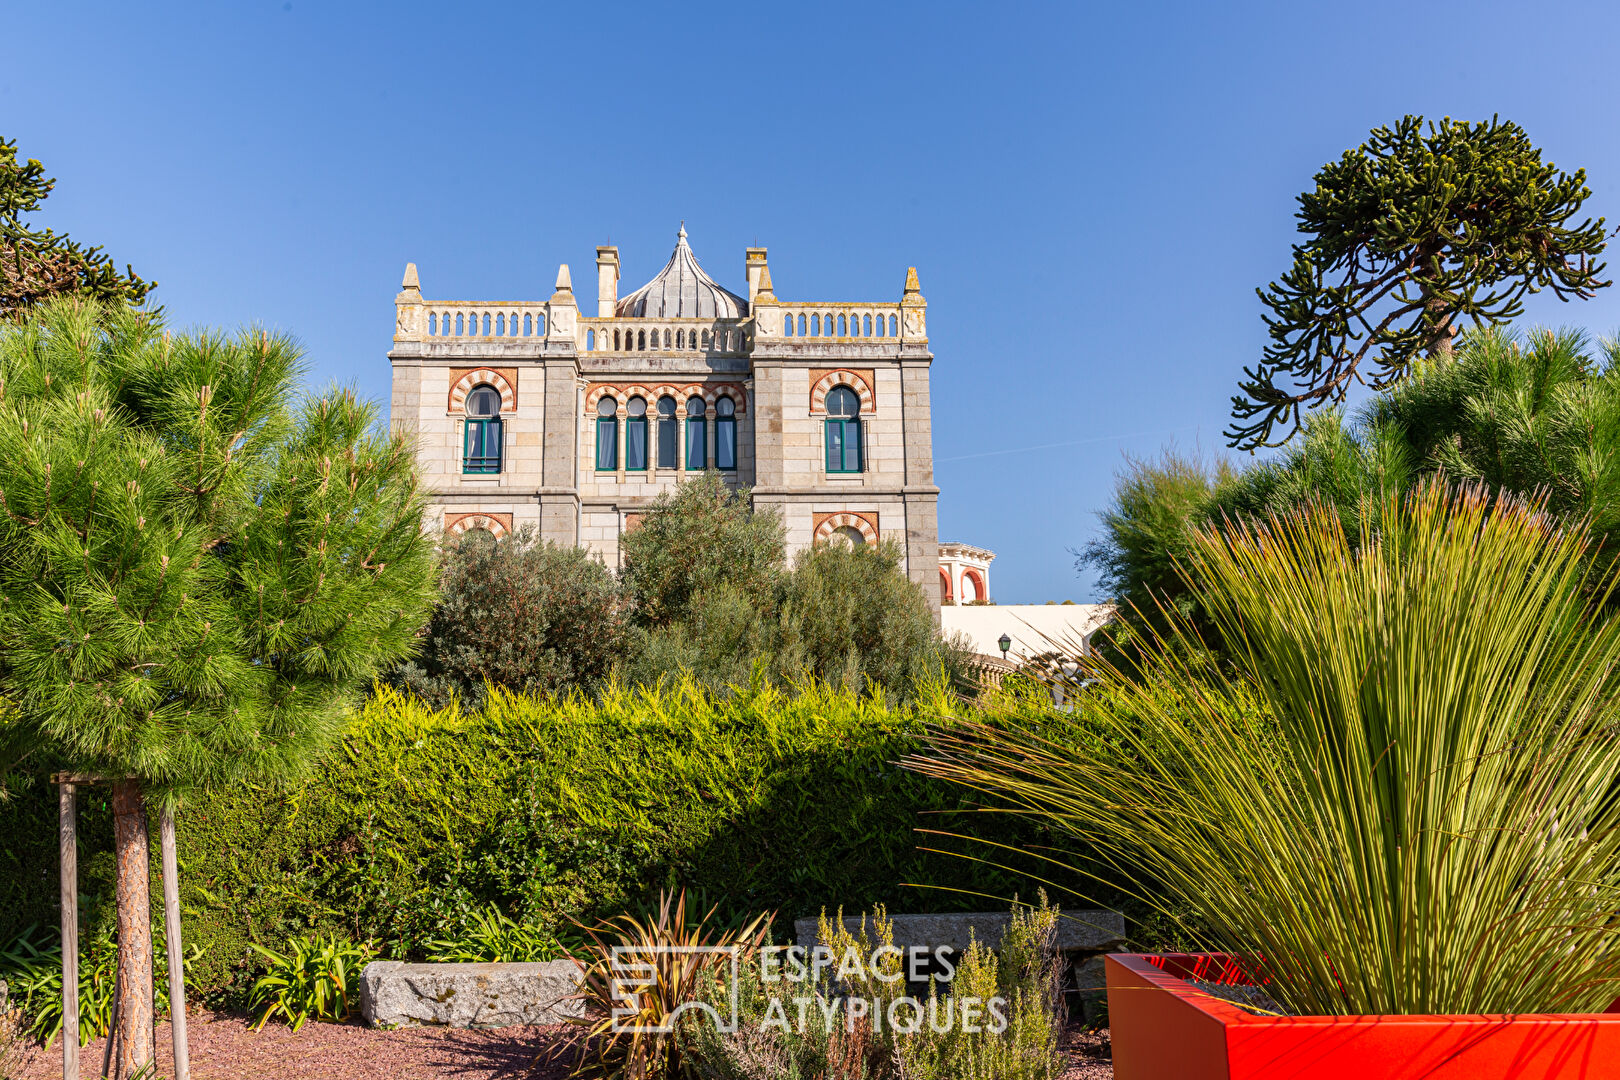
(225, 1048)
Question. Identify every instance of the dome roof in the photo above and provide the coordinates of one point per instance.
(681, 290)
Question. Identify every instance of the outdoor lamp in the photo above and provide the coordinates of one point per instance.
(1005, 643)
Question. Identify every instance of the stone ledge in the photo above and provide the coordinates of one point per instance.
(1077, 930)
(395, 994)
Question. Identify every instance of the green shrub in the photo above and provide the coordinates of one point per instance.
(529, 616)
(317, 978)
(829, 1041)
(31, 967)
(763, 799)
(490, 937)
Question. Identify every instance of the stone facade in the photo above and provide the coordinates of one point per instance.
(562, 386)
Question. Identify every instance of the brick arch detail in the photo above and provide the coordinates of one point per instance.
(864, 523)
(981, 592)
(498, 524)
(853, 380)
(947, 594)
(464, 385)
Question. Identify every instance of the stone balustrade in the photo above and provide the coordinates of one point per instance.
(706, 337)
(836, 322)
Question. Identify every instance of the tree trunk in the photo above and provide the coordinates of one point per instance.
(1445, 323)
(134, 875)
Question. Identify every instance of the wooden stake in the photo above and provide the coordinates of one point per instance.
(177, 952)
(68, 841)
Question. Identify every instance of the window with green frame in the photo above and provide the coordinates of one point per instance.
(481, 451)
(725, 434)
(607, 435)
(697, 434)
(635, 436)
(843, 430)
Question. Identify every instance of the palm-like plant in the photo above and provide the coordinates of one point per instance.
(640, 977)
(1400, 799)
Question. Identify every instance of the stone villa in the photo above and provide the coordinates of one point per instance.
(533, 413)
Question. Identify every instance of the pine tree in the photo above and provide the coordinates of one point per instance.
(196, 573)
(36, 265)
(1412, 234)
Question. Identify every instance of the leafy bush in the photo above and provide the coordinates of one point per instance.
(693, 540)
(31, 966)
(1401, 798)
(849, 616)
(529, 616)
(551, 809)
(316, 978)
(832, 1042)
(671, 949)
(490, 936)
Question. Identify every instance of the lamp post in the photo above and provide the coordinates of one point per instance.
(1005, 643)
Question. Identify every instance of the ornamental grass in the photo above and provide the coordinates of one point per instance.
(1399, 797)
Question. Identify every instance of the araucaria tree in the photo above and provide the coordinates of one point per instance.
(196, 572)
(1412, 235)
(39, 264)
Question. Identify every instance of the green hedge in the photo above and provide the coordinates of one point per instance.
(550, 808)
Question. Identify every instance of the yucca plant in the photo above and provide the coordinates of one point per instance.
(1400, 798)
(629, 1033)
(316, 978)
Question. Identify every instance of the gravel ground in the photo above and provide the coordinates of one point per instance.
(225, 1048)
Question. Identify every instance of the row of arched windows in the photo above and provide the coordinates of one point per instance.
(723, 340)
(637, 446)
(827, 324)
(485, 324)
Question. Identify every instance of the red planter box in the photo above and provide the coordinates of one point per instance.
(1163, 1028)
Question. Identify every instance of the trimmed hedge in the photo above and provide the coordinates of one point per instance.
(551, 808)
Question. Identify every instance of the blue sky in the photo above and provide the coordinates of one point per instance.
(1090, 193)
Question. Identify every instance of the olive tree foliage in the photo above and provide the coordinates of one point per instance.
(849, 616)
(528, 615)
(1533, 414)
(711, 595)
(1414, 235)
(693, 540)
(196, 570)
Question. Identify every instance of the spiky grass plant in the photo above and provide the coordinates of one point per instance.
(628, 1031)
(1401, 798)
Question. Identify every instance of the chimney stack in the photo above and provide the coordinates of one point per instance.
(754, 266)
(607, 280)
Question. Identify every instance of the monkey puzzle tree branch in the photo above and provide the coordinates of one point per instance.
(1410, 234)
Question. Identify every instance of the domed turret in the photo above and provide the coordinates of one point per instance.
(681, 290)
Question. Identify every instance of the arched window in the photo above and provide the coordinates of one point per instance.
(669, 434)
(607, 434)
(666, 338)
(787, 325)
(849, 536)
(815, 325)
(482, 450)
(590, 339)
(944, 580)
(641, 341)
(866, 326)
(970, 588)
(801, 326)
(680, 339)
(705, 339)
(635, 436)
(843, 430)
(843, 326)
(880, 332)
(894, 327)
(697, 434)
(615, 341)
(725, 434)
